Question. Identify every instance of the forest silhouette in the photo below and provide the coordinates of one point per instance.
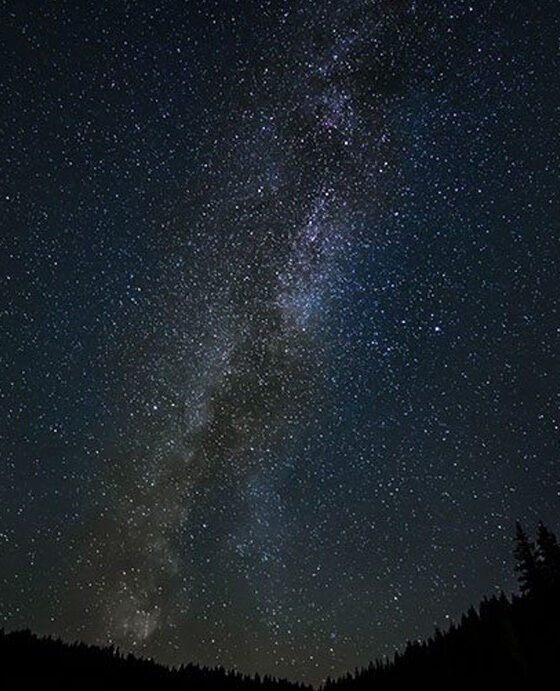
(506, 641)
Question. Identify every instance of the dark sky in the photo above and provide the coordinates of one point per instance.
(279, 320)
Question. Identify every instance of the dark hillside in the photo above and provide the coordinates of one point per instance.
(504, 642)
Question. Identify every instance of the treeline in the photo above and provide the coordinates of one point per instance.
(506, 642)
(24, 655)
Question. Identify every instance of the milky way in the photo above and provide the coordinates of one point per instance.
(280, 328)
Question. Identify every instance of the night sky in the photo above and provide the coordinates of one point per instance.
(279, 320)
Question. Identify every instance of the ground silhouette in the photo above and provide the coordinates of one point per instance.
(506, 641)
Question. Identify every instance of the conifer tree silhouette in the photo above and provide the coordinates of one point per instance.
(527, 564)
(548, 556)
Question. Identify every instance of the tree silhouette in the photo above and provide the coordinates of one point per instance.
(548, 556)
(526, 557)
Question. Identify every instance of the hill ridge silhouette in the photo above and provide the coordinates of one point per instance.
(504, 641)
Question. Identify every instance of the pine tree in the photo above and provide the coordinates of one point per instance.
(548, 555)
(527, 564)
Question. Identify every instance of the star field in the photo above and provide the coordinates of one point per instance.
(279, 327)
